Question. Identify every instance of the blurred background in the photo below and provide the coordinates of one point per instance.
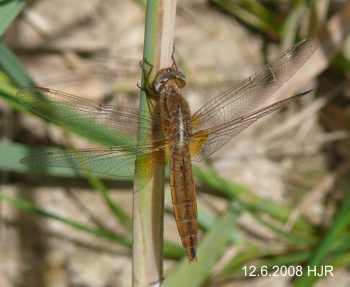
(289, 172)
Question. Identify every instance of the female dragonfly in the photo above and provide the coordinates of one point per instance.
(183, 137)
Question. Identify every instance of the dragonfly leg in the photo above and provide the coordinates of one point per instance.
(146, 73)
(149, 89)
(174, 62)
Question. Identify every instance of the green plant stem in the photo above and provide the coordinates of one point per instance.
(149, 191)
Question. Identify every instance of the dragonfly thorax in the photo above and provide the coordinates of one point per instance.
(178, 113)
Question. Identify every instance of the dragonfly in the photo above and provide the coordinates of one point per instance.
(182, 137)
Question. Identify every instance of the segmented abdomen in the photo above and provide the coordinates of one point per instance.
(184, 198)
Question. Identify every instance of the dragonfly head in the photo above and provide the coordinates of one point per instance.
(169, 77)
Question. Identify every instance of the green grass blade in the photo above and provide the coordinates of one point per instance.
(252, 14)
(210, 249)
(324, 249)
(12, 153)
(68, 117)
(9, 9)
(234, 268)
(233, 191)
(292, 23)
(173, 250)
(11, 66)
(117, 210)
(279, 231)
(28, 207)
(8, 92)
(15, 72)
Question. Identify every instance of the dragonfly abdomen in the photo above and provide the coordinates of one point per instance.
(184, 199)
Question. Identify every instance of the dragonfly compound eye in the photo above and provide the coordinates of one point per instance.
(161, 80)
(179, 78)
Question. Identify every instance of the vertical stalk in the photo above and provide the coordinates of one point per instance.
(148, 206)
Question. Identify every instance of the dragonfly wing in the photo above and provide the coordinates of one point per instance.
(114, 161)
(249, 94)
(208, 141)
(116, 124)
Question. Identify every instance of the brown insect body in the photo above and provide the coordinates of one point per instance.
(177, 117)
(169, 132)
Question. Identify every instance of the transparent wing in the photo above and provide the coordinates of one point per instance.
(114, 161)
(206, 142)
(232, 106)
(116, 124)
